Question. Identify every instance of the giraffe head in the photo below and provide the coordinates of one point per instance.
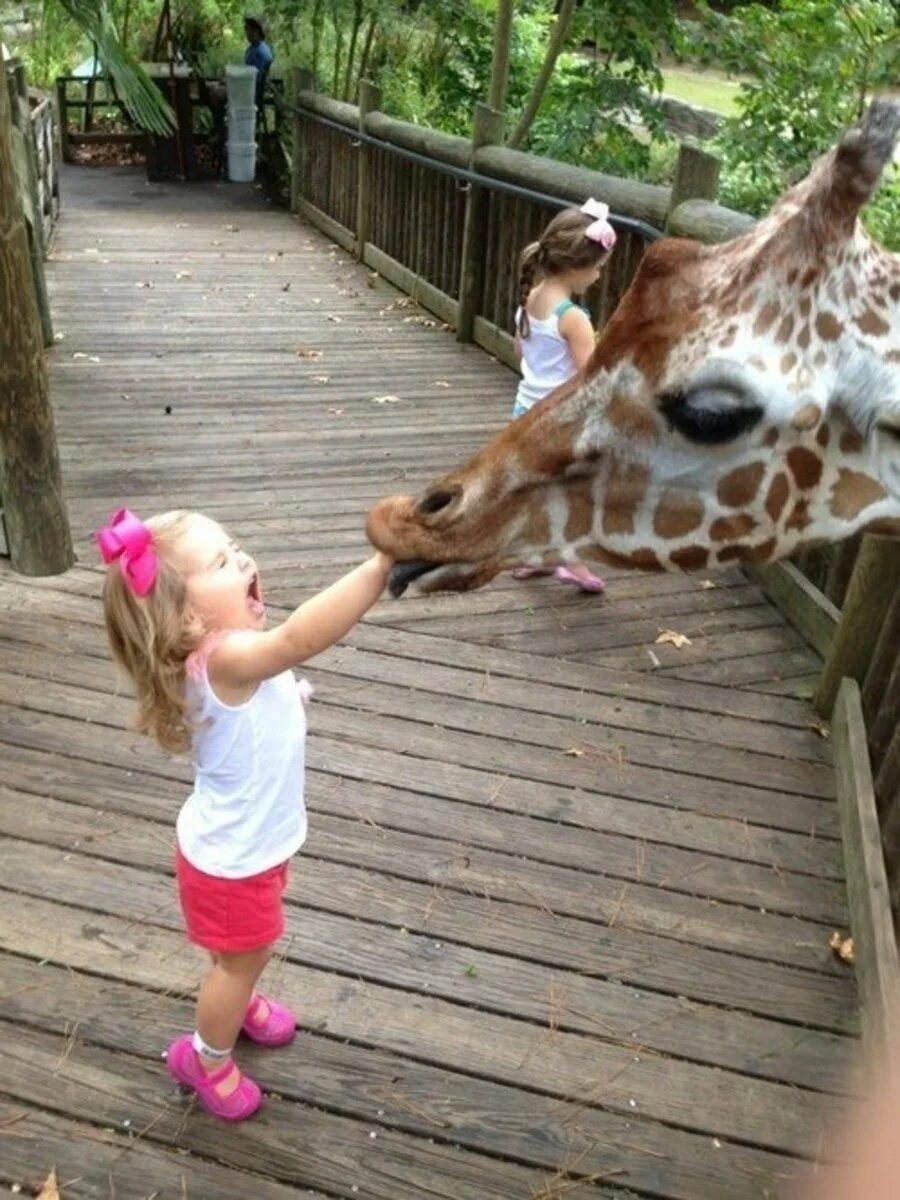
(743, 401)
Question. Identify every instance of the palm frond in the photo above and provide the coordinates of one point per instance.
(139, 94)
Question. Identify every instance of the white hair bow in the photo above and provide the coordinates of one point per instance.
(600, 229)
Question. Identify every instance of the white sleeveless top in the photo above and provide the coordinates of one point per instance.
(246, 812)
(547, 360)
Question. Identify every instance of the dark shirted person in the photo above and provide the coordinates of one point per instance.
(258, 54)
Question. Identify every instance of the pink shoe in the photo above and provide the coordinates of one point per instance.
(530, 572)
(278, 1029)
(588, 582)
(185, 1066)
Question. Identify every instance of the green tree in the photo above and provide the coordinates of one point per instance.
(811, 66)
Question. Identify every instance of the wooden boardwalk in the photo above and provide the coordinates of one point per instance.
(561, 928)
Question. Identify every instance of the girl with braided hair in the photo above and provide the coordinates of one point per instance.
(554, 335)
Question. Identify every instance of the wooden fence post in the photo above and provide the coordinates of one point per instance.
(34, 512)
(875, 580)
(62, 105)
(21, 119)
(487, 130)
(881, 688)
(696, 177)
(302, 81)
(369, 100)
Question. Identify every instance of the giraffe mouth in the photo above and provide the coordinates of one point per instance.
(403, 574)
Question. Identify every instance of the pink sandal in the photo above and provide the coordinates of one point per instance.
(279, 1027)
(184, 1065)
(587, 582)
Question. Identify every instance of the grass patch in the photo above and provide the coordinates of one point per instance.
(708, 89)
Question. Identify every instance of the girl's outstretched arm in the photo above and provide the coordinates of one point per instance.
(248, 657)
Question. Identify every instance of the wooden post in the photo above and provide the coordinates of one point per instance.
(875, 580)
(487, 130)
(881, 689)
(887, 794)
(302, 80)
(696, 176)
(34, 512)
(840, 568)
(62, 104)
(21, 119)
(877, 968)
(369, 100)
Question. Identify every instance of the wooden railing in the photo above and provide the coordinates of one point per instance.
(35, 152)
(444, 218)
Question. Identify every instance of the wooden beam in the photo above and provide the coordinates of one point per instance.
(877, 967)
(810, 612)
(34, 512)
(369, 100)
(875, 580)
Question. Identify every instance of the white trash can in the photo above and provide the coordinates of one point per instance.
(241, 85)
(241, 123)
(241, 161)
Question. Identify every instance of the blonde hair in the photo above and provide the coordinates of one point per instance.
(562, 246)
(150, 637)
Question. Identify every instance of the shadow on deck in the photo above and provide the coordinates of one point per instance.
(561, 927)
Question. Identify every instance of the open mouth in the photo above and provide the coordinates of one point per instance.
(403, 574)
(254, 596)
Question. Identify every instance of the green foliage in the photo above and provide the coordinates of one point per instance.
(595, 100)
(811, 67)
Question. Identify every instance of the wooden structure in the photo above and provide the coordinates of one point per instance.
(562, 925)
(33, 513)
(452, 213)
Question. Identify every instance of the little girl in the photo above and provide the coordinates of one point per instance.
(186, 619)
(554, 335)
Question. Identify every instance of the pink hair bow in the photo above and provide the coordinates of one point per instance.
(600, 229)
(128, 539)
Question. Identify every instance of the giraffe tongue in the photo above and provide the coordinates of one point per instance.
(403, 574)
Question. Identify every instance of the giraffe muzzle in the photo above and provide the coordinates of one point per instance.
(403, 574)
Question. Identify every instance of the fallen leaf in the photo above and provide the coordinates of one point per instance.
(574, 752)
(314, 355)
(385, 399)
(337, 411)
(708, 584)
(286, 287)
(675, 639)
(821, 729)
(184, 274)
(233, 228)
(441, 383)
(59, 337)
(320, 378)
(653, 658)
(332, 317)
(843, 947)
(49, 1188)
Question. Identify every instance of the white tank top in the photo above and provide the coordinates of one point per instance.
(547, 360)
(246, 812)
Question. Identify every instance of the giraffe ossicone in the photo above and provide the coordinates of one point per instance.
(743, 402)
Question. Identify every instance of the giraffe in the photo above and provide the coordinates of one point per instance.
(742, 402)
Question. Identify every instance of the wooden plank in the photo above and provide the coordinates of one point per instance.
(349, 941)
(807, 609)
(111, 1161)
(335, 1153)
(386, 1090)
(875, 945)
(342, 872)
(118, 938)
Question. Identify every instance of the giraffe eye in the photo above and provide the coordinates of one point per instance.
(710, 415)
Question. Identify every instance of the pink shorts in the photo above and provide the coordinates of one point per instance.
(231, 915)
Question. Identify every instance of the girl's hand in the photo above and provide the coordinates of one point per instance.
(247, 657)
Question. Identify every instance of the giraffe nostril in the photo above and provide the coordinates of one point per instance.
(437, 501)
